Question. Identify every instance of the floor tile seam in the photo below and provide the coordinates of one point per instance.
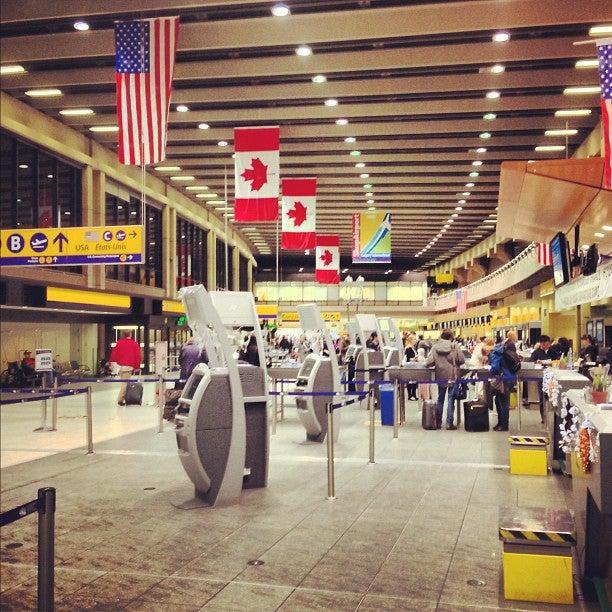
(452, 554)
(357, 517)
(394, 547)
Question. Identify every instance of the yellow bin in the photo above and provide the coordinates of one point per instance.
(529, 455)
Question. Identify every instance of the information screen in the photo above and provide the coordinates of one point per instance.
(193, 385)
(306, 368)
(560, 259)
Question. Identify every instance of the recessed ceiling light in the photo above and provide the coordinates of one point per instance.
(371, 207)
(350, 139)
(492, 95)
(182, 177)
(341, 121)
(182, 108)
(606, 228)
(550, 148)
(501, 37)
(481, 150)
(587, 63)
(582, 91)
(454, 215)
(369, 193)
(497, 69)
(345, 271)
(598, 30)
(104, 128)
(599, 235)
(489, 116)
(367, 186)
(222, 143)
(442, 230)
(319, 78)
(355, 153)
(567, 132)
(198, 188)
(484, 135)
(473, 174)
(203, 126)
(43, 93)
(576, 112)
(82, 26)
(301, 270)
(76, 112)
(466, 193)
(168, 168)
(303, 51)
(370, 202)
(469, 184)
(359, 165)
(23, 167)
(458, 208)
(12, 69)
(476, 162)
(280, 10)
(331, 102)
(364, 175)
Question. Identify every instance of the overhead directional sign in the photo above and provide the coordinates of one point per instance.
(70, 246)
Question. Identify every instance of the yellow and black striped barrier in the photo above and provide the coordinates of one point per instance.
(524, 536)
(528, 440)
(529, 455)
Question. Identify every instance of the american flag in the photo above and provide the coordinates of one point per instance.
(462, 299)
(543, 254)
(144, 63)
(604, 53)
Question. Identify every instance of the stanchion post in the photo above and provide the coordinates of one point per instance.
(274, 411)
(519, 401)
(395, 410)
(331, 484)
(46, 549)
(89, 421)
(372, 427)
(160, 404)
(54, 405)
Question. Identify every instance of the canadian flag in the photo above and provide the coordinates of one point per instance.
(299, 213)
(256, 174)
(328, 259)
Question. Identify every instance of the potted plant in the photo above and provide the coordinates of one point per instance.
(601, 380)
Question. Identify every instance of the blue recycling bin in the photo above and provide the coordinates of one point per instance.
(386, 404)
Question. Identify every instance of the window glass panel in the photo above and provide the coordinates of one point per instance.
(291, 292)
(8, 170)
(26, 185)
(309, 292)
(48, 213)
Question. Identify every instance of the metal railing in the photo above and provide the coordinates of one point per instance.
(44, 504)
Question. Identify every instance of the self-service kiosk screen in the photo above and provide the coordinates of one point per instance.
(306, 368)
(193, 385)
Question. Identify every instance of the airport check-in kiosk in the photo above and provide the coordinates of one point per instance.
(391, 341)
(222, 446)
(317, 374)
(370, 363)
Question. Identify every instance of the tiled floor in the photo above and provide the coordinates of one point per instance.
(407, 533)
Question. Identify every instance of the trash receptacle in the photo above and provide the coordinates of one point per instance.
(386, 404)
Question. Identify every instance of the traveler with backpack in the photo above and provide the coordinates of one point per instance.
(505, 363)
(446, 356)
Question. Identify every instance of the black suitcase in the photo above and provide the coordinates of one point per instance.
(133, 394)
(428, 416)
(476, 416)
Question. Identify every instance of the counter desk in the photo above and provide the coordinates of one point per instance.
(592, 500)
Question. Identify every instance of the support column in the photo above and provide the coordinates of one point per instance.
(211, 260)
(169, 251)
(94, 214)
(235, 269)
(250, 276)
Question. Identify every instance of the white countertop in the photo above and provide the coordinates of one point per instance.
(569, 376)
(601, 419)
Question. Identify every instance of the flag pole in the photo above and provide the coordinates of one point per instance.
(227, 287)
(277, 261)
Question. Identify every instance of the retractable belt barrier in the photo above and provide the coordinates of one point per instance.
(446, 381)
(44, 395)
(44, 504)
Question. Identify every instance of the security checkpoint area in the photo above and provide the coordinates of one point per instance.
(305, 305)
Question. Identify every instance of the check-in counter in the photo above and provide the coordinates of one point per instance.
(408, 374)
(592, 501)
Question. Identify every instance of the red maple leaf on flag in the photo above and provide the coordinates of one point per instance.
(298, 213)
(257, 174)
(326, 257)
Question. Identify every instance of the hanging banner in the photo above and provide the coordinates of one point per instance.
(299, 213)
(256, 174)
(328, 260)
(372, 237)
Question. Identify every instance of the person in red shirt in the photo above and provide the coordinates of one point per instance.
(126, 354)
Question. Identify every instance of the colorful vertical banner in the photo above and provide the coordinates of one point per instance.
(372, 237)
(256, 174)
(299, 214)
(328, 259)
(144, 64)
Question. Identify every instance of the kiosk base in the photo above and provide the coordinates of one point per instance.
(192, 503)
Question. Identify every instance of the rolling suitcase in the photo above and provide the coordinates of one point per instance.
(476, 416)
(428, 416)
(133, 394)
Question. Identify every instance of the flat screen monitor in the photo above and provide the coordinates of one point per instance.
(189, 392)
(307, 367)
(559, 249)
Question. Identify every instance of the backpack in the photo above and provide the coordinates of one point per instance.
(496, 359)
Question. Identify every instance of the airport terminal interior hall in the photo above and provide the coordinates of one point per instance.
(305, 305)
